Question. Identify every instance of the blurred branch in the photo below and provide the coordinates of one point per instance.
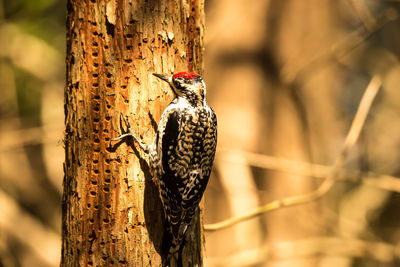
(364, 14)
(17, 139)
(337, 51)
(323, 245)
(29, 231)
(386, 182)
(351, 138)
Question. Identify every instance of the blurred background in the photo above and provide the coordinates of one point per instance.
(285, 78)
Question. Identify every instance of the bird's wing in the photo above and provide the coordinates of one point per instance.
(187, 153)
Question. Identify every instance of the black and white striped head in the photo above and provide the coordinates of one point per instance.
(188, 85)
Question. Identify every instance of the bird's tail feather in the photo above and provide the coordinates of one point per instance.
(174, 257)
(172, 247)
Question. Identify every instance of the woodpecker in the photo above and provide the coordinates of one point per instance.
(182, 154)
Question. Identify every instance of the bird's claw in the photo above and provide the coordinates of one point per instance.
(128, 125)
(128, 129)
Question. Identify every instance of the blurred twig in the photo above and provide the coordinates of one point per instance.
(351, 138)
(386, 182)
(19, 138)
(364, 14)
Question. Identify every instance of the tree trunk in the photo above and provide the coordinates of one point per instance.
(112, 214)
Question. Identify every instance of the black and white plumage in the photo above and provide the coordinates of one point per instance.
(182, 153)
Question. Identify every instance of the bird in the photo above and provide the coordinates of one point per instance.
(181, 155)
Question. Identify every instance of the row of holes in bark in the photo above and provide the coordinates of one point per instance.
(121, 263)
(104, 258)
(96, 105)
(129, 37)
(96, 75)
(92, 236)
(97, 120)
(95, 86)
(105, 221)
(96, 207)
(95, 46)
(96, 108)
(97, 147)
(106, 181)
(95, 56)
(96, 172)
(97, 141)
(108, 83)
(106, 190)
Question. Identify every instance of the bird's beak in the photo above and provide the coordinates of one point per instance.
(163, 77)
(167, 79)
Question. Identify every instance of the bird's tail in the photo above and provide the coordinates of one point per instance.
(173, 246)
(174, 256)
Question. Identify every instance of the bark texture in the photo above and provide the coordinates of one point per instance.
(112, 214)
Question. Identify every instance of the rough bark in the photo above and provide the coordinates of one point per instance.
(112, 214)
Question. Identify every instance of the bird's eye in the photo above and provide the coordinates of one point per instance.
(177, 82)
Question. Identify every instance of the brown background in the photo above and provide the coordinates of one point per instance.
(285, 79)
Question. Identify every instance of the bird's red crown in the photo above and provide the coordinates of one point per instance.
(186, 75)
